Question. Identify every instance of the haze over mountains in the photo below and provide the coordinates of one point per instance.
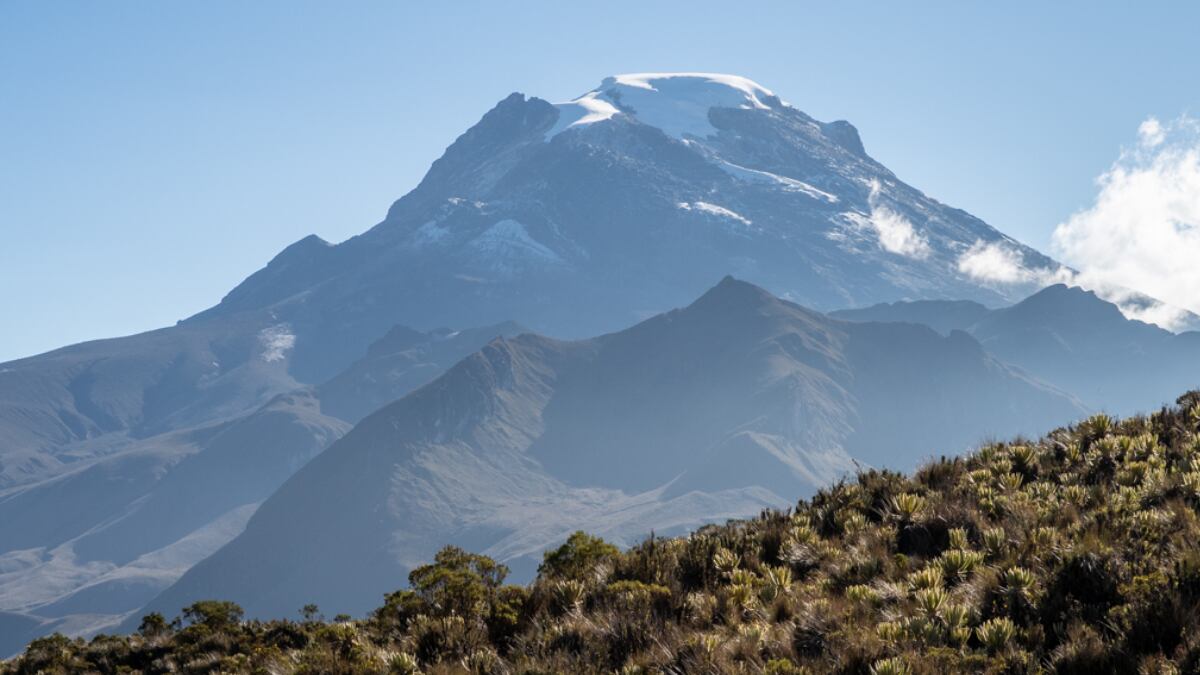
(125, 462)
(107, 533)
(574, 219)
(1071, 338)
(738, 402)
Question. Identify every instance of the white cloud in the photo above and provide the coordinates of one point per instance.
(1151, 133)
(999, 263)
(1143, 231)
(1135, 305)
(994, 262)
(896, 233)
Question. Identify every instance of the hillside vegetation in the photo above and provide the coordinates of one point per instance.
(1078, 553)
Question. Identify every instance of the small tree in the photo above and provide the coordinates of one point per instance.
(458, 582)
(577, 557)
(214, 615)
(153, 625)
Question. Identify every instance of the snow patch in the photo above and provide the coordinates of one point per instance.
(751, 91)
(676, 103)
(585, 110)
(507, 245)
(765, 177)
(713, 210)
(276, 341)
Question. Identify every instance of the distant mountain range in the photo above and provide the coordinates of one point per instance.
(738, 402)
(572, 222)
(124, 462)
(108, 532)
(1071, 338)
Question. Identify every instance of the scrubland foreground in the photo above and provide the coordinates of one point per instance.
(1078, 553)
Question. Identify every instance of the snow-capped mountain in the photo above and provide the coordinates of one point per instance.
(582, 216)
(575, 219)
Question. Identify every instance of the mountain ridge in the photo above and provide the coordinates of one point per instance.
(583, 233)
(105, 534)
(1071, 338)
(615, 216)
(492, 174)
(644, 429)
(1003, 560)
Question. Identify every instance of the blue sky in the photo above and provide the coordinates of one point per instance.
(154, 154)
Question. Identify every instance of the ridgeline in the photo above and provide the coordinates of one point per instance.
(1078, 553)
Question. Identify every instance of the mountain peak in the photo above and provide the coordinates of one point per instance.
(1070, 310)
(677, 84)
(712, 172)
(1071, 300)
(1067, 308)
(733, 300)
(676, 103)
(733, 290)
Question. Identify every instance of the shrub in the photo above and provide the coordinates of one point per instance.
(995, 634)
(891, 666)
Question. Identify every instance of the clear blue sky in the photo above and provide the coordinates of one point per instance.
(153, 154)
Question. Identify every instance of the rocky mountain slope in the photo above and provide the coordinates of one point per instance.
(625, 201)
(83, 548)
(1073, 554)
(574, 218)
(737, 402)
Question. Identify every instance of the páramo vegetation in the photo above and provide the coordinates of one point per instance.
(1078, 553)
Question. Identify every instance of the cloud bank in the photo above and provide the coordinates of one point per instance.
(1143, 231)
